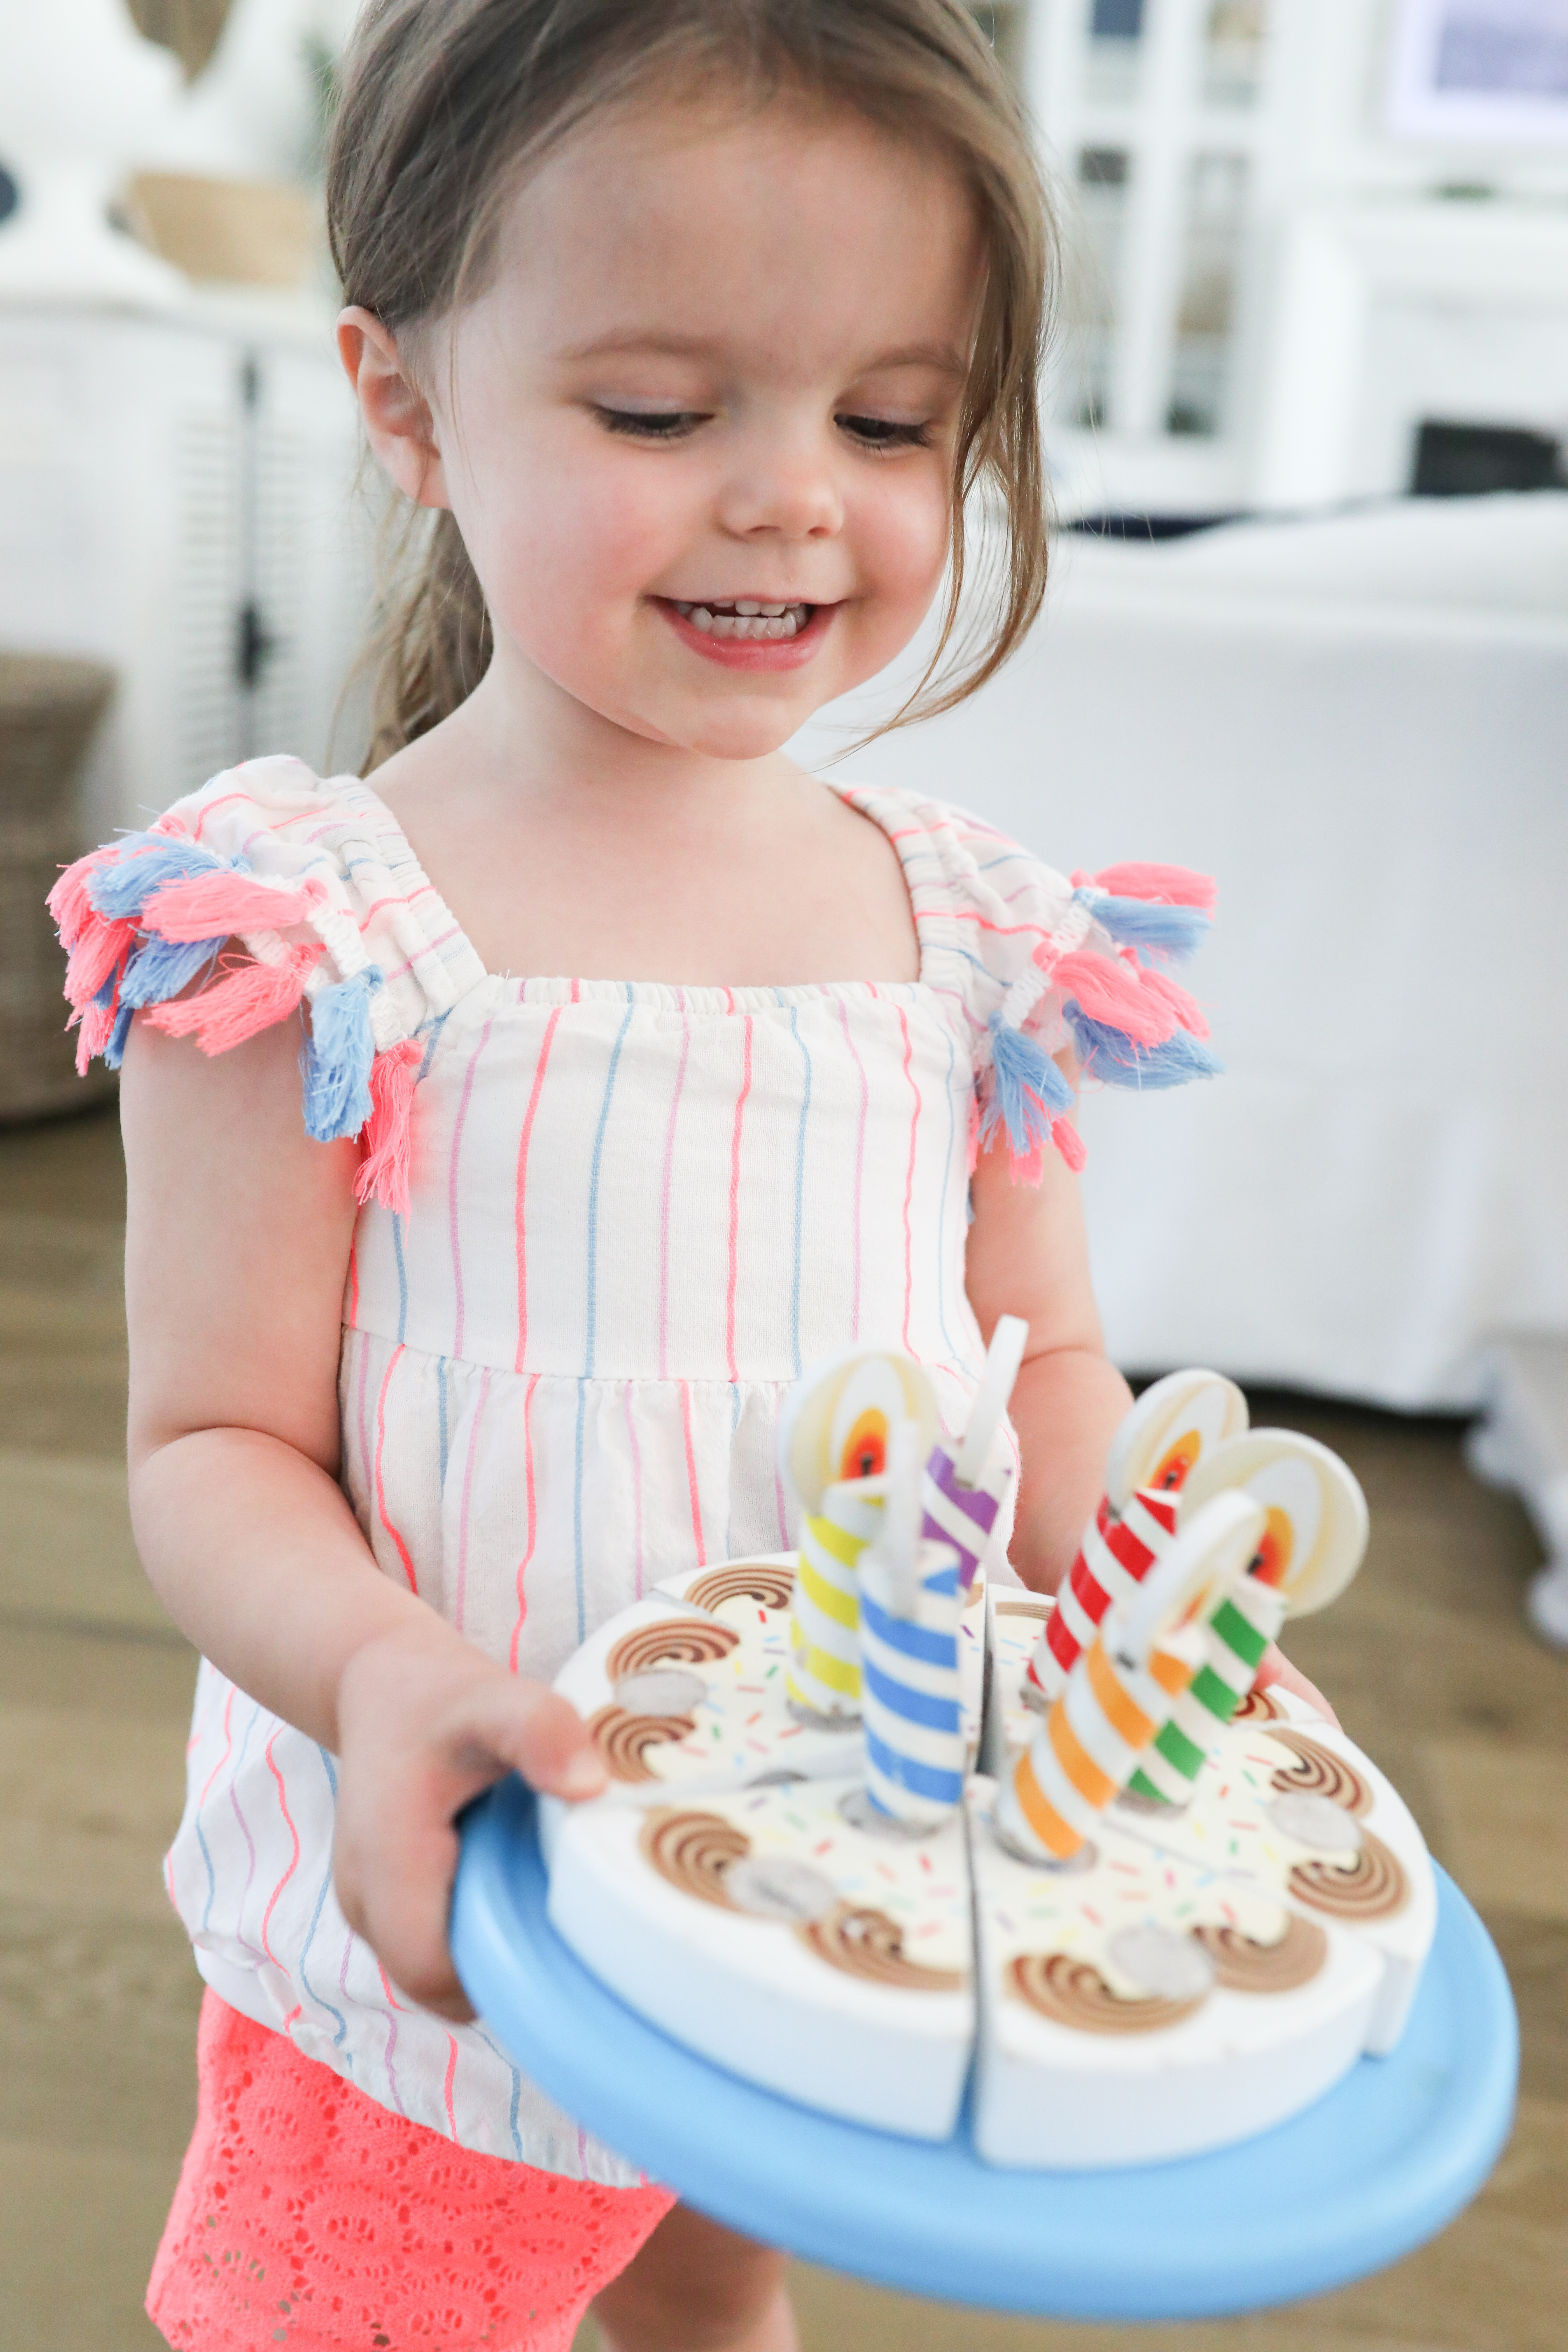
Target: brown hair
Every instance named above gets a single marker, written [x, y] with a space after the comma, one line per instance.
[446, 105]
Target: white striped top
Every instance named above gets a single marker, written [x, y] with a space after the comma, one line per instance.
[637, 1213]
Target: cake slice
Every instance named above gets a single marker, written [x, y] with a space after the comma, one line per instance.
[786, 1934]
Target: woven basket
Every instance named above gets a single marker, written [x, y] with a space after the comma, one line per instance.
[48, 709]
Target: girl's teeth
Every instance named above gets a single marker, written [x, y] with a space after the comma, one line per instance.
[745, 618]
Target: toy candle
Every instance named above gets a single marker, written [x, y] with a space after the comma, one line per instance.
[1170, 1429]
[910, 1607]
[1122, 1689]
[963, 1490]
[824, 1670]
[1312, 1542]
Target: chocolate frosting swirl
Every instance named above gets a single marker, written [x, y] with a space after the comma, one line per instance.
[1259, 1708]
[1244, 1965]
[693, 1850]
[1371, 1886]
[674, 1640]
[868, 1944]
[624, 1740]
[1072, 1992]
[1319, 1772]
[762, 1581]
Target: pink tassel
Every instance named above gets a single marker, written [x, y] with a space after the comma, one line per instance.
[386, 1135]
[1108, 991]
[1069, 1143]
[1170, 886]
[1185, 1008]
[69, 903]
[100, 949]
[211, 906]
[974, 1133]
[96, 1028]
[251, 998]
[1028, 1167]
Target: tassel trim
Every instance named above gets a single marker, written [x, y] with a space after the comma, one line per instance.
[150, 914]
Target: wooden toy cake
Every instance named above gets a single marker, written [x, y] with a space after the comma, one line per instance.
[876, 1826]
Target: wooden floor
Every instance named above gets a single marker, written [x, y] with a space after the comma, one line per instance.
[1427, 1658]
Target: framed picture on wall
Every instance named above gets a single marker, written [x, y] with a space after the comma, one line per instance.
[1490, 70]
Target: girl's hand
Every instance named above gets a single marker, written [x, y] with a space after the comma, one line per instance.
[1276, 1667]
[425, 1723]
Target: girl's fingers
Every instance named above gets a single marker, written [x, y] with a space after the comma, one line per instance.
[1276, 1667]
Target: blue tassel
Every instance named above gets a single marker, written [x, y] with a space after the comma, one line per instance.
[1147, 923]
[1110, 1056]
[114, 1051]
[337, 1059]
[160, 969]
[105, 996]
[121, 890]
[1024, 1080]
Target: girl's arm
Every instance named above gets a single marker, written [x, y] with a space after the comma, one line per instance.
[237, 1252]
[1028, 1255]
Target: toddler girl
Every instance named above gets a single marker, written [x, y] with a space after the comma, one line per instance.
[564, 1095]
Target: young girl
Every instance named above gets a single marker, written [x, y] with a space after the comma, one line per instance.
[641, 1069]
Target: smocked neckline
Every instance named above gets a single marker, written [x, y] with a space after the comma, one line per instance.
[438, 921]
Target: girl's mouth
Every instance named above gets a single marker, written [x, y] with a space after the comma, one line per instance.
[745, 633]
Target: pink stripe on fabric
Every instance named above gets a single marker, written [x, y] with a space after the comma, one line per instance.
[972, 915]
[691, 1474]
[402, 1552]
[446, 2085]
[394, 898]
[733, 1284]
[462, 1595]
[457, 1127]
[909, 1180]
[533, 1516]
[534, 1092]
[636, 1480]
[664, 1194]
[860, 1164]
[294, 1858]
[392, 2006]
[228, 1747]
[452, 932]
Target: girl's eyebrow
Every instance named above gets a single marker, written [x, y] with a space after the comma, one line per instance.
[654, 343]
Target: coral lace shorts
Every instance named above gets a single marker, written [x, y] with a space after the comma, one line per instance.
[309, 2217]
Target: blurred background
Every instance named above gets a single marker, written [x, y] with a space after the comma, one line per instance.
[1307, 631]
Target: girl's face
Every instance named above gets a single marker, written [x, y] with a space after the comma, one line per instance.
[697, 434]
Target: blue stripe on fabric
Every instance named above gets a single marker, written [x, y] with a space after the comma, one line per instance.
[402, 1276]
[590, 1339]
[914, 1706]
[441, 1412]
[491, 2044]
[433, 1040]
[920, 1779]
[922, 1642]
[1008, 857]
[212, 1875]
[799, 1183]
[321, 2002]
[942, 1213]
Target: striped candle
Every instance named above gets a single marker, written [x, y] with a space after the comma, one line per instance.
[823, 1671]
[1244, 1618]
[1114, 1558]
[1125, 1686]
[959, 1515]
[909, 1696]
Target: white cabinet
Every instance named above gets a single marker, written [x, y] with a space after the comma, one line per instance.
[178, 498]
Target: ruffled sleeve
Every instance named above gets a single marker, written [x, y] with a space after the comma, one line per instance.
[1040, 960]
[266, 890]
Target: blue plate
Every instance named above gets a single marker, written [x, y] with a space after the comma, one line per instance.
[1369, 2172]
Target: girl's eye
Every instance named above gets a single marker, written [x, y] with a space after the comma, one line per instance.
[645, 425]
[882, 432]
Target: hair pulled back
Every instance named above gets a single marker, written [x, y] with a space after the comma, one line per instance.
[449, 104]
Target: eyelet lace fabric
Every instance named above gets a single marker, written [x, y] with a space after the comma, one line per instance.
[311, 2217]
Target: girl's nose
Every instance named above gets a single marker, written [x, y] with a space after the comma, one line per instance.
[793, 492]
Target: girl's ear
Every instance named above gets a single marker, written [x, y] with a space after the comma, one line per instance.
[397, 417]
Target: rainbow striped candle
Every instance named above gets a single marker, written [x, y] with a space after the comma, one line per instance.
[1123, 1688]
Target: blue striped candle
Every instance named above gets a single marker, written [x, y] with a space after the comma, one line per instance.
[908, 1683]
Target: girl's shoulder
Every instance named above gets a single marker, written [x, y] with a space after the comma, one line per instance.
[1044, 963]
[270, 889]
